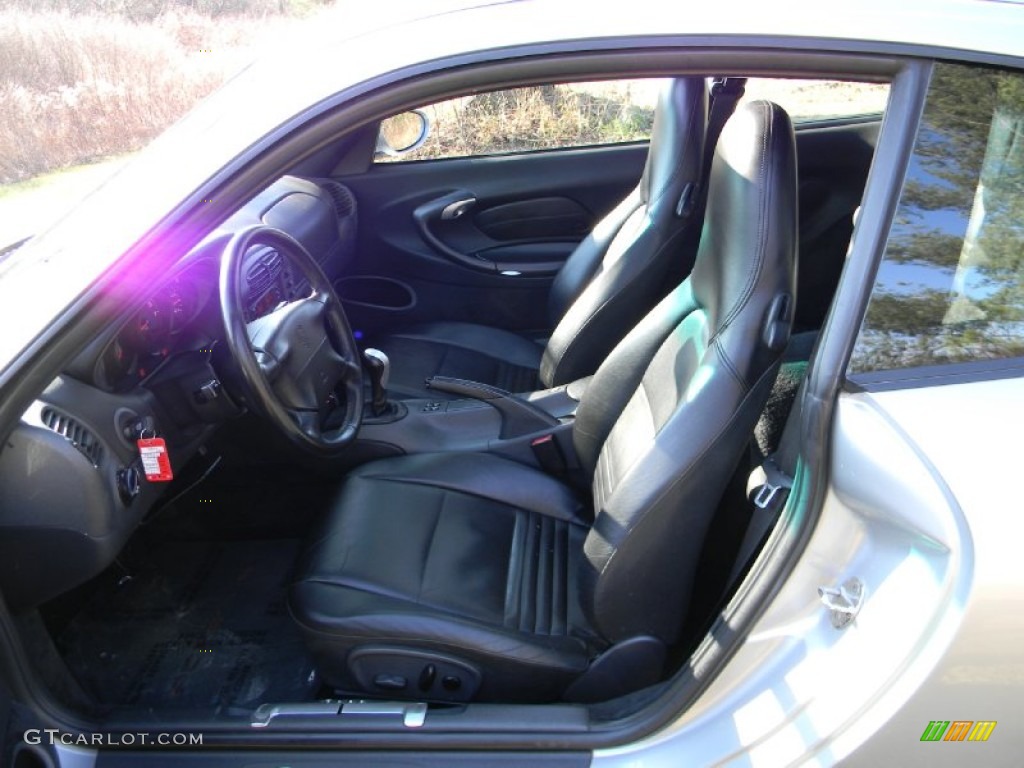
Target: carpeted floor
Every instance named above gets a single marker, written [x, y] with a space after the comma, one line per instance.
[201, 624]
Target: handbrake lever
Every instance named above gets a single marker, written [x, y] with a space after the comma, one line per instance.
[518, 417]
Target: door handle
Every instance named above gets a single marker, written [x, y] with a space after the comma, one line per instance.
[449, 209]
[455, 210]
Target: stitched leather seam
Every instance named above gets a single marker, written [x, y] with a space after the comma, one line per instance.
[342, 582]
[515, 570]
[727, 363]
[566, 568]
[647, 400]
[762, 228]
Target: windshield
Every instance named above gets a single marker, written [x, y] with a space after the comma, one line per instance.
[261, 102]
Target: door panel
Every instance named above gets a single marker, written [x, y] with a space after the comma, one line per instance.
[541, 218]
[527, 214]
[541, 232]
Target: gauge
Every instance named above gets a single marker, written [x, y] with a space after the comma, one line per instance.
[163, 324]
[149, 329]
[182, 299]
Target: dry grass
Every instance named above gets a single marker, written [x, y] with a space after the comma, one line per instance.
[74, 88]
[523, 119]
[816, 99]
[582, 114]
[77, 86]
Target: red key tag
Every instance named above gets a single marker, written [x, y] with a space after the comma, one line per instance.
[155, 461]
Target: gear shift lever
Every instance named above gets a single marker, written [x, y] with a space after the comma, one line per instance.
[379, 366]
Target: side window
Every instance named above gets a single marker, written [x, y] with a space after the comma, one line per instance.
[813, 100]
[951, 285]
[535, 118]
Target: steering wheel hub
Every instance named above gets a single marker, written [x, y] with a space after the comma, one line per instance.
[299, 362]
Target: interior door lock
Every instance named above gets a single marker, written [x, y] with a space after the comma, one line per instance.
[455, 210]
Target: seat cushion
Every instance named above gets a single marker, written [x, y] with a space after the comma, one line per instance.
[463, 350]
[471, 556]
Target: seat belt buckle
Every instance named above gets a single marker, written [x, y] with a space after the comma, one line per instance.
[548, 454]
[765, 494]
[775, 480]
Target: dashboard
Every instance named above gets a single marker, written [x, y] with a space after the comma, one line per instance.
[72, 483]
[182, 313]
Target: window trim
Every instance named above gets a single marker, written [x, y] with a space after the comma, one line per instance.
[514, 153]
[916, 377]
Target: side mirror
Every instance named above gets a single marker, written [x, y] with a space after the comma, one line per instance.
[401, 134]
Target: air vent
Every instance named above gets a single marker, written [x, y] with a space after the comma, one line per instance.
[272, 260]
[344, 200]
[264, 271]
[74, 433]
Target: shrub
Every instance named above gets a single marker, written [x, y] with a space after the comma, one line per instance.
[539, 117]
[74, 88]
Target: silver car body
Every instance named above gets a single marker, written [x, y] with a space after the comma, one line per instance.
[927, 523]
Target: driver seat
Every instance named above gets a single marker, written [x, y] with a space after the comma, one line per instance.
[461, 576]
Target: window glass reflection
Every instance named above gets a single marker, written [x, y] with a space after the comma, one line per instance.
[951, 285]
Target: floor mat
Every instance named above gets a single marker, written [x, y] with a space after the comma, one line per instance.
[198, 625]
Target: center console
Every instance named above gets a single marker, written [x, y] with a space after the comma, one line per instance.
[535, 428]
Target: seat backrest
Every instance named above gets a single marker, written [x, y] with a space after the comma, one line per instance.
[668, 414]
[620, 269]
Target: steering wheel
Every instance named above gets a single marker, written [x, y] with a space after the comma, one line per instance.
[300, 360]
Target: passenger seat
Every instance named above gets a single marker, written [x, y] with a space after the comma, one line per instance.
[632, 258]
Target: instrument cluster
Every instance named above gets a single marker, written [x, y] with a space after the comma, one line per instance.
[164, 324]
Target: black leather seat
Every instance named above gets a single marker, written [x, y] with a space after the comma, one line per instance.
[606, 285]
[457, 576]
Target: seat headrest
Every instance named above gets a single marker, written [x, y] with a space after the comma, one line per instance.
[749, 225]
[677, 139]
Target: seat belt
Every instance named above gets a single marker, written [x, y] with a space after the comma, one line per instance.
[772, 482]
[725, 95]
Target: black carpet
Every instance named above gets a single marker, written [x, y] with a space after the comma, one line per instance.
[198, 625]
